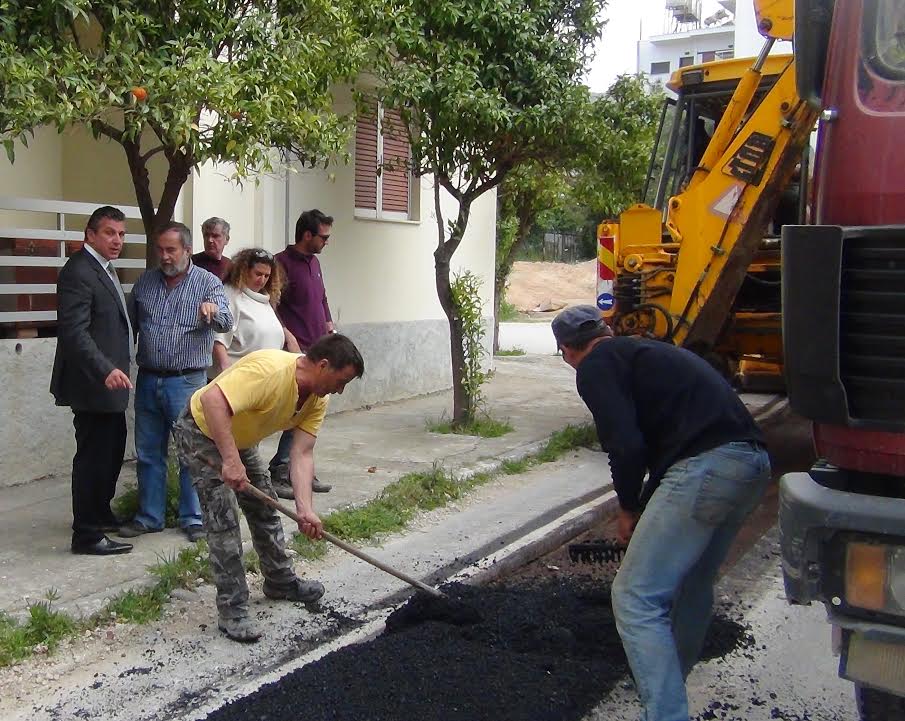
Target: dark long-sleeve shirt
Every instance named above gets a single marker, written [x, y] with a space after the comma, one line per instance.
[303, 307]
[653, 405]
[220, 268]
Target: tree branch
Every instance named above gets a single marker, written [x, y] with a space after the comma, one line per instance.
[106, 129]
[151, 153]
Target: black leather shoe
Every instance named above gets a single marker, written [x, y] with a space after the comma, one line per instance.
[104, 547]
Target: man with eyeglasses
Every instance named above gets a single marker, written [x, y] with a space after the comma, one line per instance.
[305, 313]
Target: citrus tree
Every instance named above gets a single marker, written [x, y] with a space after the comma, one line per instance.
[599, 171]
[481, 87]
[243, 81]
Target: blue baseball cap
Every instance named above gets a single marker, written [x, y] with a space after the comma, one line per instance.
[578, 324]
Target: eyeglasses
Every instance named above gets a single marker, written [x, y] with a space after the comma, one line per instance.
[261, 253]
[324, 238]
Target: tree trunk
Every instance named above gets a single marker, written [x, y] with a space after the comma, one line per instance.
[525, 223]
[463, 405]
[141, 182]
[177, 173]
[499, 288]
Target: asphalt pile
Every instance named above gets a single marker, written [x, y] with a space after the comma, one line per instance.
[543, 649]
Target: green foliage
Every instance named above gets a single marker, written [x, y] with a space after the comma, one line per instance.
[126, 504]
[466, 298]
[599, 172]
[480, 87]
[508, 312]
[508, 352]
[483, 426]
[242, 81]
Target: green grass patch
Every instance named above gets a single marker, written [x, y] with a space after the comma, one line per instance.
[508, 312]
[308, 549]
[251, 562]
[135, 606]
[180, 570]
[391, 511]
[483, 426]
[401, 500]
[126, 505]
[44, 629]
[510, 352]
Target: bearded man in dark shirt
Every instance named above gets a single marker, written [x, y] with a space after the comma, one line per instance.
[663, 412]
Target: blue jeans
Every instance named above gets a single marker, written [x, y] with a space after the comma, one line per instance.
[663, 593]
[158, 402]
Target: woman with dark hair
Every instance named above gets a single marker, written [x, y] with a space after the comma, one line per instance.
[253, 289]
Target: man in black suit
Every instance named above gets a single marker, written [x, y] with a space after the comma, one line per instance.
[91, 376]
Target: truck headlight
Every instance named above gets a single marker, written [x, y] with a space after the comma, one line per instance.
[875, 577]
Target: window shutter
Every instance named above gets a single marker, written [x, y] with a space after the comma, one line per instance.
[366, 161]
[395, 171]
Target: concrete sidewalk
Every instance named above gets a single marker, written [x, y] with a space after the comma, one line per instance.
[535, 393]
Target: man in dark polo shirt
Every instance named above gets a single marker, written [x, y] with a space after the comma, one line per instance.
[663, 412]
[215, 232]
[305, 313]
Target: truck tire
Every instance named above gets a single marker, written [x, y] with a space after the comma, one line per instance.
[876, 705]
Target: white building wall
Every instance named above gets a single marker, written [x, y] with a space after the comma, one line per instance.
[690, 44]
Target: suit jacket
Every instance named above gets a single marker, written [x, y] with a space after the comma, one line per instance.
[92, 338]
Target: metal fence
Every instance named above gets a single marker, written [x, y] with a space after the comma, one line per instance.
[31, 258]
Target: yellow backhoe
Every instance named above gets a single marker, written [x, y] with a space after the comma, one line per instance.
[697, 263]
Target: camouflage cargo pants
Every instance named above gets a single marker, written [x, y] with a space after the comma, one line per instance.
[220, 509]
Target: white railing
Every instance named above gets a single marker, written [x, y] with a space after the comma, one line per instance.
[21, 274]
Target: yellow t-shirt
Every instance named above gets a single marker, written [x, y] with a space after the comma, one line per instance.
[262, 392]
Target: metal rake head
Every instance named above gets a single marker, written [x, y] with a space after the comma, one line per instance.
[607, 550]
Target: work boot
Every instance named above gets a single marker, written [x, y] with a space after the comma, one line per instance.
[242, 629]
[279, 477]
[303, 591]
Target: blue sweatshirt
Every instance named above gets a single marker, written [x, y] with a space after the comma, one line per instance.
[653, 405]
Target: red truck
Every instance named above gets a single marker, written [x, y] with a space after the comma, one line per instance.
[842, 524]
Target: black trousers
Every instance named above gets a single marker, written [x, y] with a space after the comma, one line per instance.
[100, 442]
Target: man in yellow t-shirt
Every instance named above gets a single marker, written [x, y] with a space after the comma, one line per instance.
[217, 438]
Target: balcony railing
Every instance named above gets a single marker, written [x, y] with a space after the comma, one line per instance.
[31, 258]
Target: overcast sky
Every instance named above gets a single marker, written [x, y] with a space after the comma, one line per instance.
[617, 50]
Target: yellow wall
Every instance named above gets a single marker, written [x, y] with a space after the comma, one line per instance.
[37, 173]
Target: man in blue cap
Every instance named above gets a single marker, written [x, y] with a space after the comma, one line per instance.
[665, 413]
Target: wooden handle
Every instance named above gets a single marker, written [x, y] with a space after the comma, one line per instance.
[349, 548]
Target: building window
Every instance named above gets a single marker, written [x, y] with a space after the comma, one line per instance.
[383, 179]
[708, 56]
[686, 60]
[659, 68]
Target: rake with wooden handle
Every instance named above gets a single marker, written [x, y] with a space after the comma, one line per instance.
[349, 548]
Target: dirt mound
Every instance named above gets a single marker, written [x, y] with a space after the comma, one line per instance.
[537, 286]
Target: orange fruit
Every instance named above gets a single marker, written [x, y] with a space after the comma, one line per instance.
[140, 93]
